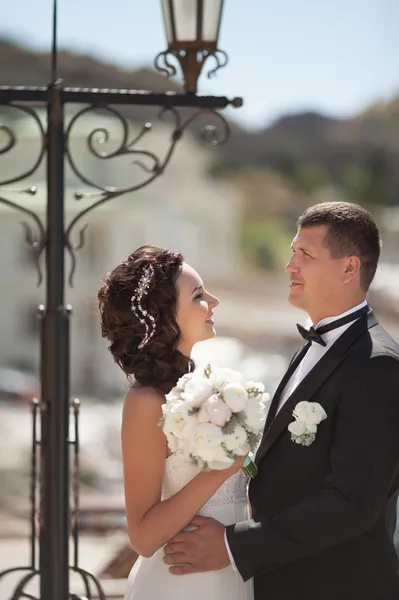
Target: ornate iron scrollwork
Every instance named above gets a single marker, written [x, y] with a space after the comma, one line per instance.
[191, 63]
[36, 241]
[130, 148]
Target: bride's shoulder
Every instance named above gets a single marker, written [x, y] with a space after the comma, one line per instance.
[143, 399]
[142, 411]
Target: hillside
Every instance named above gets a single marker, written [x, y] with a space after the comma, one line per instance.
[361, 153]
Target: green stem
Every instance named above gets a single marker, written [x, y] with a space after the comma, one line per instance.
[250, 469]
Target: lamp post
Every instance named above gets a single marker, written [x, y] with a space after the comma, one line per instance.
[192, 30]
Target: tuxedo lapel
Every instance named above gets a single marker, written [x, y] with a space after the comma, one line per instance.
[290, 371]
[310, 384]
[305, 390]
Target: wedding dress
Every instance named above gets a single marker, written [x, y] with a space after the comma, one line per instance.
[150, 579]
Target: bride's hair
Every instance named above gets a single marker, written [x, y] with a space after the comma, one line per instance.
[158, 363]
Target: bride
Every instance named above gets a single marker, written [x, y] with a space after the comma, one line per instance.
[154, 308]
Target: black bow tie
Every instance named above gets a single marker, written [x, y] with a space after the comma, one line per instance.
[314, 335]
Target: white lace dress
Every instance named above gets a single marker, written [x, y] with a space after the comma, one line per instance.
[150, 579]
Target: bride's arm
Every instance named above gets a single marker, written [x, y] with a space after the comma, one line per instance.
[152, 523]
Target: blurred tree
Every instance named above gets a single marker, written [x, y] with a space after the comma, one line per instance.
[358, 183]
[308, 177]
[266, 243]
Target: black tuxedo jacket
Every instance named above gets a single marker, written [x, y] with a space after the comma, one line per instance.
[324, 515]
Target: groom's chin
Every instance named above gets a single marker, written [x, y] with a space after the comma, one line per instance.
[291, 299]
[294, 300]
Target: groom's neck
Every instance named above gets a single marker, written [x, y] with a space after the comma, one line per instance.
[336, 309]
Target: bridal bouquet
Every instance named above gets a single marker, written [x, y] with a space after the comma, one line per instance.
[213, 417]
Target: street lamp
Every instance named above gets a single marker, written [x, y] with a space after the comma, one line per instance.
[192, 29]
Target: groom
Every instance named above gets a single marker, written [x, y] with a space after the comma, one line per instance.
[323, 514]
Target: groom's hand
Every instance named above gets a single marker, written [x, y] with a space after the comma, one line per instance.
[202, 549]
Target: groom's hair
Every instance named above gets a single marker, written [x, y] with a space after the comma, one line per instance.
[351, 230]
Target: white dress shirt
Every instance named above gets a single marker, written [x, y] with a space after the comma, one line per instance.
[311, 358]
[316, 351]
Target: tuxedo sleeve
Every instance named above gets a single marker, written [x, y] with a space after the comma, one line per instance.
[364, 462]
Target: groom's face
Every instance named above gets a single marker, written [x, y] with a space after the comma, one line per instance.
[315, 277]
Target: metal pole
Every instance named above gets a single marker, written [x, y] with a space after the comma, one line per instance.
[54, 532]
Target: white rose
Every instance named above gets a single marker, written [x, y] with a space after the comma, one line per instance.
[181, 384]
[310, 428]
[220, 377]
[254, 415]
[214, 410]
[173, 396]
[235, 396]
[174, 444]
[237, 441]
[197, 390]
[297, 427]
[205, 437]
[311, 413]
[216, 458]
[178, 423]
[265, 398]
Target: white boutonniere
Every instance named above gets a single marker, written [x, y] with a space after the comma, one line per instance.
[308, 415]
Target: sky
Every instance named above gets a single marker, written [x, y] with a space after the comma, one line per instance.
[331, 56]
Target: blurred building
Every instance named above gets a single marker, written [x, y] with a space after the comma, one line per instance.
[184, 208]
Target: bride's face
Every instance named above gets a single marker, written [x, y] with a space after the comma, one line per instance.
[194, 310]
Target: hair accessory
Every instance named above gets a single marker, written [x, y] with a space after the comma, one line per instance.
[136, 307]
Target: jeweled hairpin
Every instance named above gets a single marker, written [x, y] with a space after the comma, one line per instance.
[135, 304]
